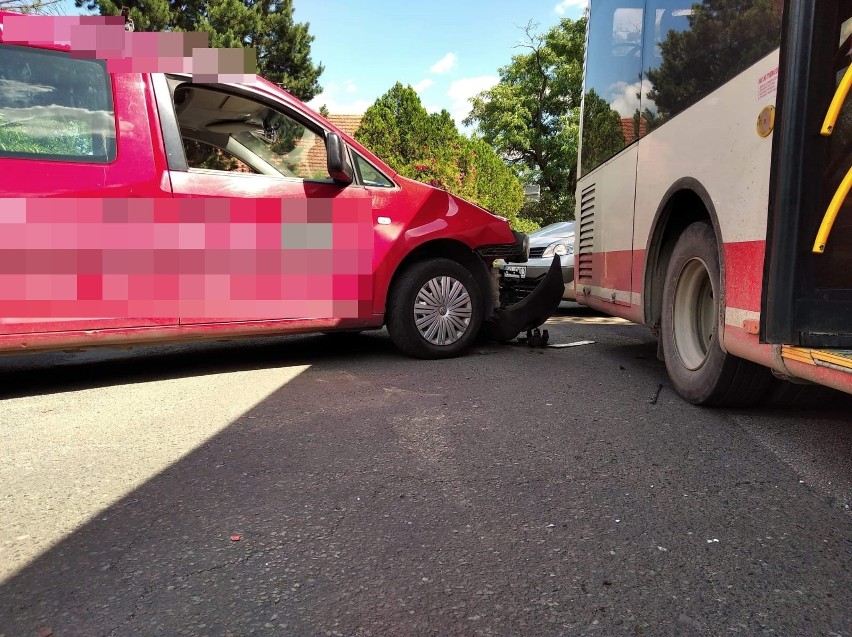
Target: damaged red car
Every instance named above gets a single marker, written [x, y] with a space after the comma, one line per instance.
[156, 207]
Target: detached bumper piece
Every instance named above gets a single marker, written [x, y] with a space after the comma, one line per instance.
[531, 312]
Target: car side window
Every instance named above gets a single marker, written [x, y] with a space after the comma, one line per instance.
[55, 107]
[266, 140]
[369, 175]
[205, 156]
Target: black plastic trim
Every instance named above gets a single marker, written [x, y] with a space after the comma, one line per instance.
[517, 252]
[786, 196]
[811, 313]
[169, 124]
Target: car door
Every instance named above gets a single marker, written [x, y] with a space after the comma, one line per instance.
[275, 237]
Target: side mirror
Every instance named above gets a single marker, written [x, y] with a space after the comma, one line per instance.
[339, 167]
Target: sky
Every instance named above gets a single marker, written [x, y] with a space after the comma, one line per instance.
[447, 50]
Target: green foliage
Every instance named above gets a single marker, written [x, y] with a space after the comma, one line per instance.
[602, 132]
[33, 7]
[531, 117]
[66, 139]
[428, 147]
[283, 46]
[522, 224]
[725, 37]
[549, 209]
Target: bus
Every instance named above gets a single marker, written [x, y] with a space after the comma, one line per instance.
[714, 163]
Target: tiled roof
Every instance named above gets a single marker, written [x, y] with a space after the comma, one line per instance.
[628, 127]
[347, 123]
[315, 162]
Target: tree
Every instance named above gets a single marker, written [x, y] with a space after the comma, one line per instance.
[283, 46]
[725, 37]
[428, 147]
[602, 132]
[531, 117]
[35, 7]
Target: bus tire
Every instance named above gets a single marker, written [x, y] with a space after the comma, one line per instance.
[435, 309]
[784, 394]
[698, 368]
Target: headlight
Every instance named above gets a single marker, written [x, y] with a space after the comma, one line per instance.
[557, 248]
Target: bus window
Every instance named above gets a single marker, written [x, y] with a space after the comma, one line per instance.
[613, 79]
[663, 18]
[697, 47]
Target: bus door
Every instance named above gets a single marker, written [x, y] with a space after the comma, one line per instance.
[807, 290]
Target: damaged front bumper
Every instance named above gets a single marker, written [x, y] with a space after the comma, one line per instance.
[518, 252]
[530, 312]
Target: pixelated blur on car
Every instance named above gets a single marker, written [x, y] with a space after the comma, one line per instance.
[168, 206]
[519, 279]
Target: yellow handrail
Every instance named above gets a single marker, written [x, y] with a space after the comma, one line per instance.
[837, 103]
[845, 185]
[831, 213]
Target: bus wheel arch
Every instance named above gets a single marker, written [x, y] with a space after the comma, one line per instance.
[686, 202]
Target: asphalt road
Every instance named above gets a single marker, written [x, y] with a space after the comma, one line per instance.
[324, 486]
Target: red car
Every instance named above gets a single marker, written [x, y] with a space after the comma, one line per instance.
[151, 207]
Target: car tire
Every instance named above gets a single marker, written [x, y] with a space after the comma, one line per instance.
[435, 309]
[698, 368]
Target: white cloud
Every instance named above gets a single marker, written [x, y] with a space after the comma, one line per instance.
[355, 107]
[444, 64]
[346, 105]
[423, 84]
[624, 97]
[462, 90]
[350, 87]
[563, 7]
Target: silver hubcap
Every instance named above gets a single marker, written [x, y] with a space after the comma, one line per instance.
[694, 314]
[442, 310]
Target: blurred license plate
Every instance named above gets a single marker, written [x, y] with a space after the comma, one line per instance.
[514, 272]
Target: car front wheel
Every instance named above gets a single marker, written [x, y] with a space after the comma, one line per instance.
[435, 309]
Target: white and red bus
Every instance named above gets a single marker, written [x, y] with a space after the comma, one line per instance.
[715, 146]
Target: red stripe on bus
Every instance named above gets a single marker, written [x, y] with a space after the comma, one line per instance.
[623, 270]
[744, 274]
[612, 270]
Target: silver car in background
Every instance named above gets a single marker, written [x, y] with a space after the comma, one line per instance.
[517, 280]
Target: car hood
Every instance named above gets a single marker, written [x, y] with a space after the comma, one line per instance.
[543, 242]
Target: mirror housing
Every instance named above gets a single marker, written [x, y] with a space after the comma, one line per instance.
[339, 167]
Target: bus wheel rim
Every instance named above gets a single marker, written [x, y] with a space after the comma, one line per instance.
[694, 314]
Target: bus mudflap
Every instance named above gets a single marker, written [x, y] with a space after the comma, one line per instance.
[531, 311]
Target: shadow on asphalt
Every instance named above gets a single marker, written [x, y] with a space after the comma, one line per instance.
[393, 506]
[53, 372]
[376, 510]
[37, 374]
